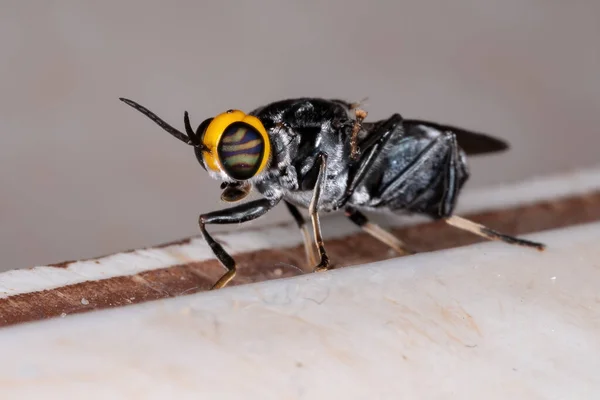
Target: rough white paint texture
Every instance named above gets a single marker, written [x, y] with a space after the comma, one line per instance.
[44, 277]
[487, 321]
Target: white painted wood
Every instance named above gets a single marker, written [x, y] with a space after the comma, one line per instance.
[46, 277]
[487, 321]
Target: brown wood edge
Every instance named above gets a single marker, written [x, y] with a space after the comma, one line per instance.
[269, 264]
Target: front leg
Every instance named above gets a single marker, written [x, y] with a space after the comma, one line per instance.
[234, 215]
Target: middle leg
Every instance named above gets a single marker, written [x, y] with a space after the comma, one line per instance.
[311, 257]
[314, 214]
[370, 147]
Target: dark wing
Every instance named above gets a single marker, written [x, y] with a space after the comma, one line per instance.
[472, 143]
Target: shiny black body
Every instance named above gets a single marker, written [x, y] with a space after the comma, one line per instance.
[324, 158]
[413, 166]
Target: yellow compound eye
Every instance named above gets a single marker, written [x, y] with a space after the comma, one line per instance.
[238, 145]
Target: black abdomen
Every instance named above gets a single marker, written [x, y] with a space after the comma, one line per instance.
[417, 174]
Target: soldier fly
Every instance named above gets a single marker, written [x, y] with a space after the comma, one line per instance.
[320, 154]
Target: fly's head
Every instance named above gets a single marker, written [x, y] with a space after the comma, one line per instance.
[233, 147]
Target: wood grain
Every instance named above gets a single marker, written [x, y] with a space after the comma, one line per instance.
[269, 264]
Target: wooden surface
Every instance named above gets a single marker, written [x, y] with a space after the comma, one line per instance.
[486, 321]
[271, 263]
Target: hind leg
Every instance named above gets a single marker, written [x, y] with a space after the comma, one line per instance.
[470, 226]
[490, 234]
[444, 182]
[376, 231]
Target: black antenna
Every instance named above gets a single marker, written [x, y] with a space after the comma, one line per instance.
[189, 139]
[189, 130]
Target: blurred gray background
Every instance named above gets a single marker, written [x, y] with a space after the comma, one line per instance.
[83, 175]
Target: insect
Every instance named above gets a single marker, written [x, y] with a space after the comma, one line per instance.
[320, 154]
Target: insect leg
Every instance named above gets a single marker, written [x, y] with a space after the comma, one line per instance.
[462, 223]
[355, 150]
[314, 214]
[242, 213]
[490, 234]
[311, 257]
[374, 143]
[376, 231]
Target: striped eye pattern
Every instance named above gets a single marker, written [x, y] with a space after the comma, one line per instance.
[241, 150]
